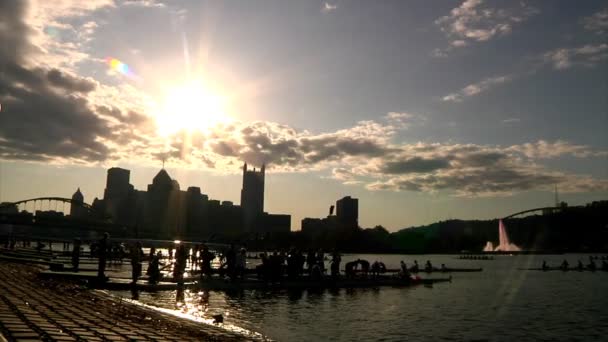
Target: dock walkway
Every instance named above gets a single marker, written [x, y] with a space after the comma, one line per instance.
[31, 310]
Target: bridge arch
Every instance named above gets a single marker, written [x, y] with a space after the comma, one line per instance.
[84, 205]
[531, 210]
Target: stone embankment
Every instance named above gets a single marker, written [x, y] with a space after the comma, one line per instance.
[35, 310]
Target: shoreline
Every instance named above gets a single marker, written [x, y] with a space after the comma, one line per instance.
[31, 308]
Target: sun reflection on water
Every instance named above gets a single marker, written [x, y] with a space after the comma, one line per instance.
[194, 306]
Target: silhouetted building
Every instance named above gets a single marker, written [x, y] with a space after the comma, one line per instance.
[48, 214]
[164, 208]
[347, 211]
[197, 212]
[9, 208]
[252, 197]
[347, 216]
[76, 209]
[165, 211]
[274, 223]
[118, 197]
[316, 226]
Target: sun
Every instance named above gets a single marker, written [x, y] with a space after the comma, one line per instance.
[192, 107]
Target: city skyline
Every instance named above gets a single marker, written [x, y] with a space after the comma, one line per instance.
[472, 109]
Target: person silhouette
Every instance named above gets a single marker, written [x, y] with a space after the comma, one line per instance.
[102, 255]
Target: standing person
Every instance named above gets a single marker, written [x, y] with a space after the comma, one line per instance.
[300, 260]
[349, 269]
[136, 256]
[415, 268]
[335, 265]
[310, 260]
[154, 269]
[241, 263]
[321, 261]
[206, 259]
[102, 255]
[231, 261]
[181, 259]
[152, 252]
[405, 273]
[76, 254]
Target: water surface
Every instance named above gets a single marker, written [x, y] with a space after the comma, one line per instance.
[501, 303]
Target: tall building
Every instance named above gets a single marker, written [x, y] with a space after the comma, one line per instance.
[164, 211]
[76, 209]
[117, 197]
[165, 208]
[347, 211]
[252, 196]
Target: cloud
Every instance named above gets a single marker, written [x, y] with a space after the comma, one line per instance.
[48, 112]
[144, 3]
[53, 115]
[476, 88]
[511, 120]
[545, 150]
[598, 22]
[478, 170]
[560, 59]
[414, 165]
[472, 22]
[365, 154]
[587, 55]
[327, 7]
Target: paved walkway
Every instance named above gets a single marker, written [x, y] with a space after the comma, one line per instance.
[32, 310]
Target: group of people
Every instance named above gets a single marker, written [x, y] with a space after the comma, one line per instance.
[294, 264]
[591, 266]
[475, 257]
[233, 263]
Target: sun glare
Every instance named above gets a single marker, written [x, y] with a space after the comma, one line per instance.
[191, 107]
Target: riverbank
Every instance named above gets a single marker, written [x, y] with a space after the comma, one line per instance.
[33, 309]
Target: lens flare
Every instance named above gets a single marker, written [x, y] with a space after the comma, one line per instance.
[120, 67]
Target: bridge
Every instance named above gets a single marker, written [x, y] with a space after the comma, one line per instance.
[533, 210]
[26, 222]
[41, 200]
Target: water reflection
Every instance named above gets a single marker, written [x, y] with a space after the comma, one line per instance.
[501, 297]
[134, 293]
[295, 295]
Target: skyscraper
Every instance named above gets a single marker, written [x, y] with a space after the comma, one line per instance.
[347, 211]
[116, 195]
[252, 196]
[165, 208]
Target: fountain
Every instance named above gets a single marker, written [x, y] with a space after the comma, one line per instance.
[504, 245]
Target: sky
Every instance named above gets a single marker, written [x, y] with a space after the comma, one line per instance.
[424, 110]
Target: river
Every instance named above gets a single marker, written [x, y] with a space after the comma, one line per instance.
[501, 303]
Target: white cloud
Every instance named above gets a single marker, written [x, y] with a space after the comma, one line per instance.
[561, 59]
[511, 120]
[476, 88]
[472, 22]
[547, 150]
[144, 3]
[327, 7]
[587, 55]
[598, 22]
